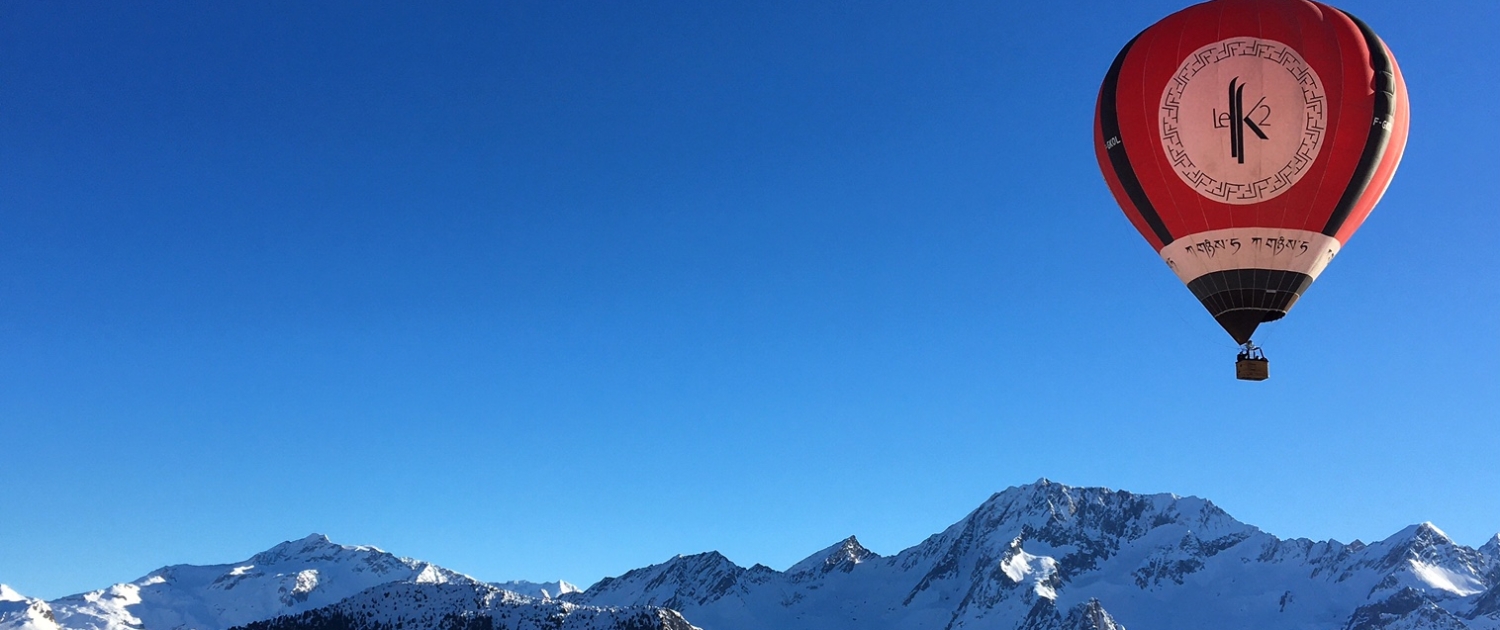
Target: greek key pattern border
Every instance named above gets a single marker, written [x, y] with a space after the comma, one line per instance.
[1315, 119]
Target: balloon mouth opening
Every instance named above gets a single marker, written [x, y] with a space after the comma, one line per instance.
[1241, 323]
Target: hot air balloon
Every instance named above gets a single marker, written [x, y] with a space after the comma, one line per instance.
[1246, 140]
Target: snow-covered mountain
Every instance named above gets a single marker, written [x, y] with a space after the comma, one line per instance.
[18, 612]
[1043, 556]
[1047, 555]
[289, 578]
[311, 579]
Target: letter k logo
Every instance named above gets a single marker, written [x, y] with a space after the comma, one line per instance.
[1240, 119]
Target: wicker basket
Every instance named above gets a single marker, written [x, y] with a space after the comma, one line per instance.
[1252, 369]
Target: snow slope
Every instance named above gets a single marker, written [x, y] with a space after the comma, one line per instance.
[18, 612]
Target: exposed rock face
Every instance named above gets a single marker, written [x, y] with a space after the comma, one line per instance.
[1408, 609]
[842, 556]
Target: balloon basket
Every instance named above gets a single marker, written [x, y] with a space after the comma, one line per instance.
[1251, 364]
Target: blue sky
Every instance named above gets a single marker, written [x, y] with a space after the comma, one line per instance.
[553, 291]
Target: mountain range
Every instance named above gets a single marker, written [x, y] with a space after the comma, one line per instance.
[1043, 556]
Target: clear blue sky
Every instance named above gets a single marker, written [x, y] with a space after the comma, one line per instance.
[555, 290]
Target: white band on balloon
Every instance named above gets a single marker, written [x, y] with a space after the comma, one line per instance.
[1250, 248]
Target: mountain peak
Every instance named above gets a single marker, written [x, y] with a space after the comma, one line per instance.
[19, 612]
[1492, 548]
[311, 547]
[841, 556]
[1048, 506]
[1418, 538]
[1426, 529]
[705, 559]
[8, 594]
[1091, 615]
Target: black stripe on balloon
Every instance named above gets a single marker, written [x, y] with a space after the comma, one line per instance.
[1380, 128]
[1109, 125]
[1270, 290]
[1236, 141]
[1242, 299]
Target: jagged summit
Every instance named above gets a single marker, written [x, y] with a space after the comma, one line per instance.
[1091, 616]
[1424, 533]
[1422, 557]
[1491, 553]
[311, 547]
[841, 556]
[1089, 521]
[1050, 499]
[705, 561]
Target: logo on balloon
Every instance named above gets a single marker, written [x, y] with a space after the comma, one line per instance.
[1236, 120]
[1225, 122]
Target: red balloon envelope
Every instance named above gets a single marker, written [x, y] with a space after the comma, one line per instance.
[1247, 140]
